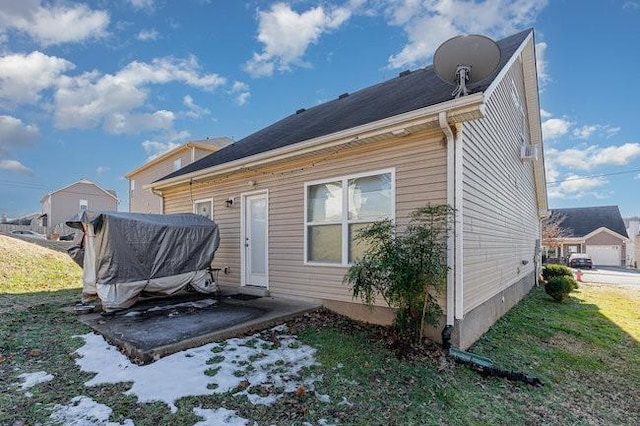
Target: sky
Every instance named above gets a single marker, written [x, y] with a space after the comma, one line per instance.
[94, 89]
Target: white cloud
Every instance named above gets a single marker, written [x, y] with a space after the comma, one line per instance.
[576, 186]
[631, 5]
[113, 100]
[14, 133]
[24, 77]
[53, 23]
[590, 157]
[15, 166]
[148, 5]
[155, 148]
[241, 92]
[125, 123]
[147, 35]
[637, 176]
[286, 35]
[429, 23]
[195, 110]
[585, 132]
[100, 170]
[554, 128]
[541, 64]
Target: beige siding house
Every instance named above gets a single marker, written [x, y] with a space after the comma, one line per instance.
[289, 198]
[60, 205]
[598, 231]
[143, 200]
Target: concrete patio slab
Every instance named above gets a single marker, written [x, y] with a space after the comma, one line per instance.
[158, 327]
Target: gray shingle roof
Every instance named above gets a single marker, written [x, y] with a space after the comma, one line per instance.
[580, 221]
[407, 92]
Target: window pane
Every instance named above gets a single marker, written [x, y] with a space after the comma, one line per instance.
[356, 248]
[325, 243]
[370, 197]
[258, 237]
[325, 202]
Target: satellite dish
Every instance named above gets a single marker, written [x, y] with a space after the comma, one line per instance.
[466, 60]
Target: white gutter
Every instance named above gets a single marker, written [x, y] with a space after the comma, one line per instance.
[444, 125]
[458, 110]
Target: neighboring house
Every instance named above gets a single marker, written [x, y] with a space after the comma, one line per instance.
[633, 245]
[289, 198]
[60, 205]
[143, 200]
[597, 231]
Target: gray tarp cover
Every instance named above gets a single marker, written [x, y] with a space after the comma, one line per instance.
[133, 247]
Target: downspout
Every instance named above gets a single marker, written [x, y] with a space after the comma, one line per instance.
[448, 133]
[459, 232]
[455, 299]
[454, 262]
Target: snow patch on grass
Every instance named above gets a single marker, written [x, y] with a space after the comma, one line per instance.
[29, 380]
[262, 370]
[220, 416]
[84, 411]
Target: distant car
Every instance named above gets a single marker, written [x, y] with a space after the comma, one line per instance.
[580, 260]
[68, 237]
[29, 234]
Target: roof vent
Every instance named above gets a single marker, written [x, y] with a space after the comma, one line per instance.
[344, 95]
[300, 111]
[403, 73]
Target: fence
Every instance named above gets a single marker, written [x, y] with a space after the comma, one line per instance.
[5, 227]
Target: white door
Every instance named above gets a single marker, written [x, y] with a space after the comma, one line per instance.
[604, 255]
[255, 240]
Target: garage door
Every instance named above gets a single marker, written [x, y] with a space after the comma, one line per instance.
[604, 255]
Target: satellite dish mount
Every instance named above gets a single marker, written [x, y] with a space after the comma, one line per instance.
[462, 75]
[455, 59]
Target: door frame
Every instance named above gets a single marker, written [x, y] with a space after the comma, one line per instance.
[243, 235]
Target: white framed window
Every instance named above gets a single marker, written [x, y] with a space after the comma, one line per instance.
[204, 208]
[84, 205]
[132, 185]
[177, 164]
[335, 209]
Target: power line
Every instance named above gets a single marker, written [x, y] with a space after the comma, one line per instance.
[555, 182]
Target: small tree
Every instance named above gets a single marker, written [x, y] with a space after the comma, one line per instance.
[406, 266]
[552, 231]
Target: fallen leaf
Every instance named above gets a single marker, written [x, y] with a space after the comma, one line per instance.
[300, 391]
[34, 353]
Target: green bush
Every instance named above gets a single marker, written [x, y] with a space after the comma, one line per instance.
[560, 286]
[406, 265]
[551, 271]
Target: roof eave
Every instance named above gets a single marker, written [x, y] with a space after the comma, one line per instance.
[176, 150]
[459, 110]
[607, 230]
[526, 52]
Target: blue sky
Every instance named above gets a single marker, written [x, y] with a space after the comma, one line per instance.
[92, 90]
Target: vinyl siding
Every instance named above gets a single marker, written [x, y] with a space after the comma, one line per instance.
[420, 170]
[143, 200]
[500, 212]
[66, 202]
